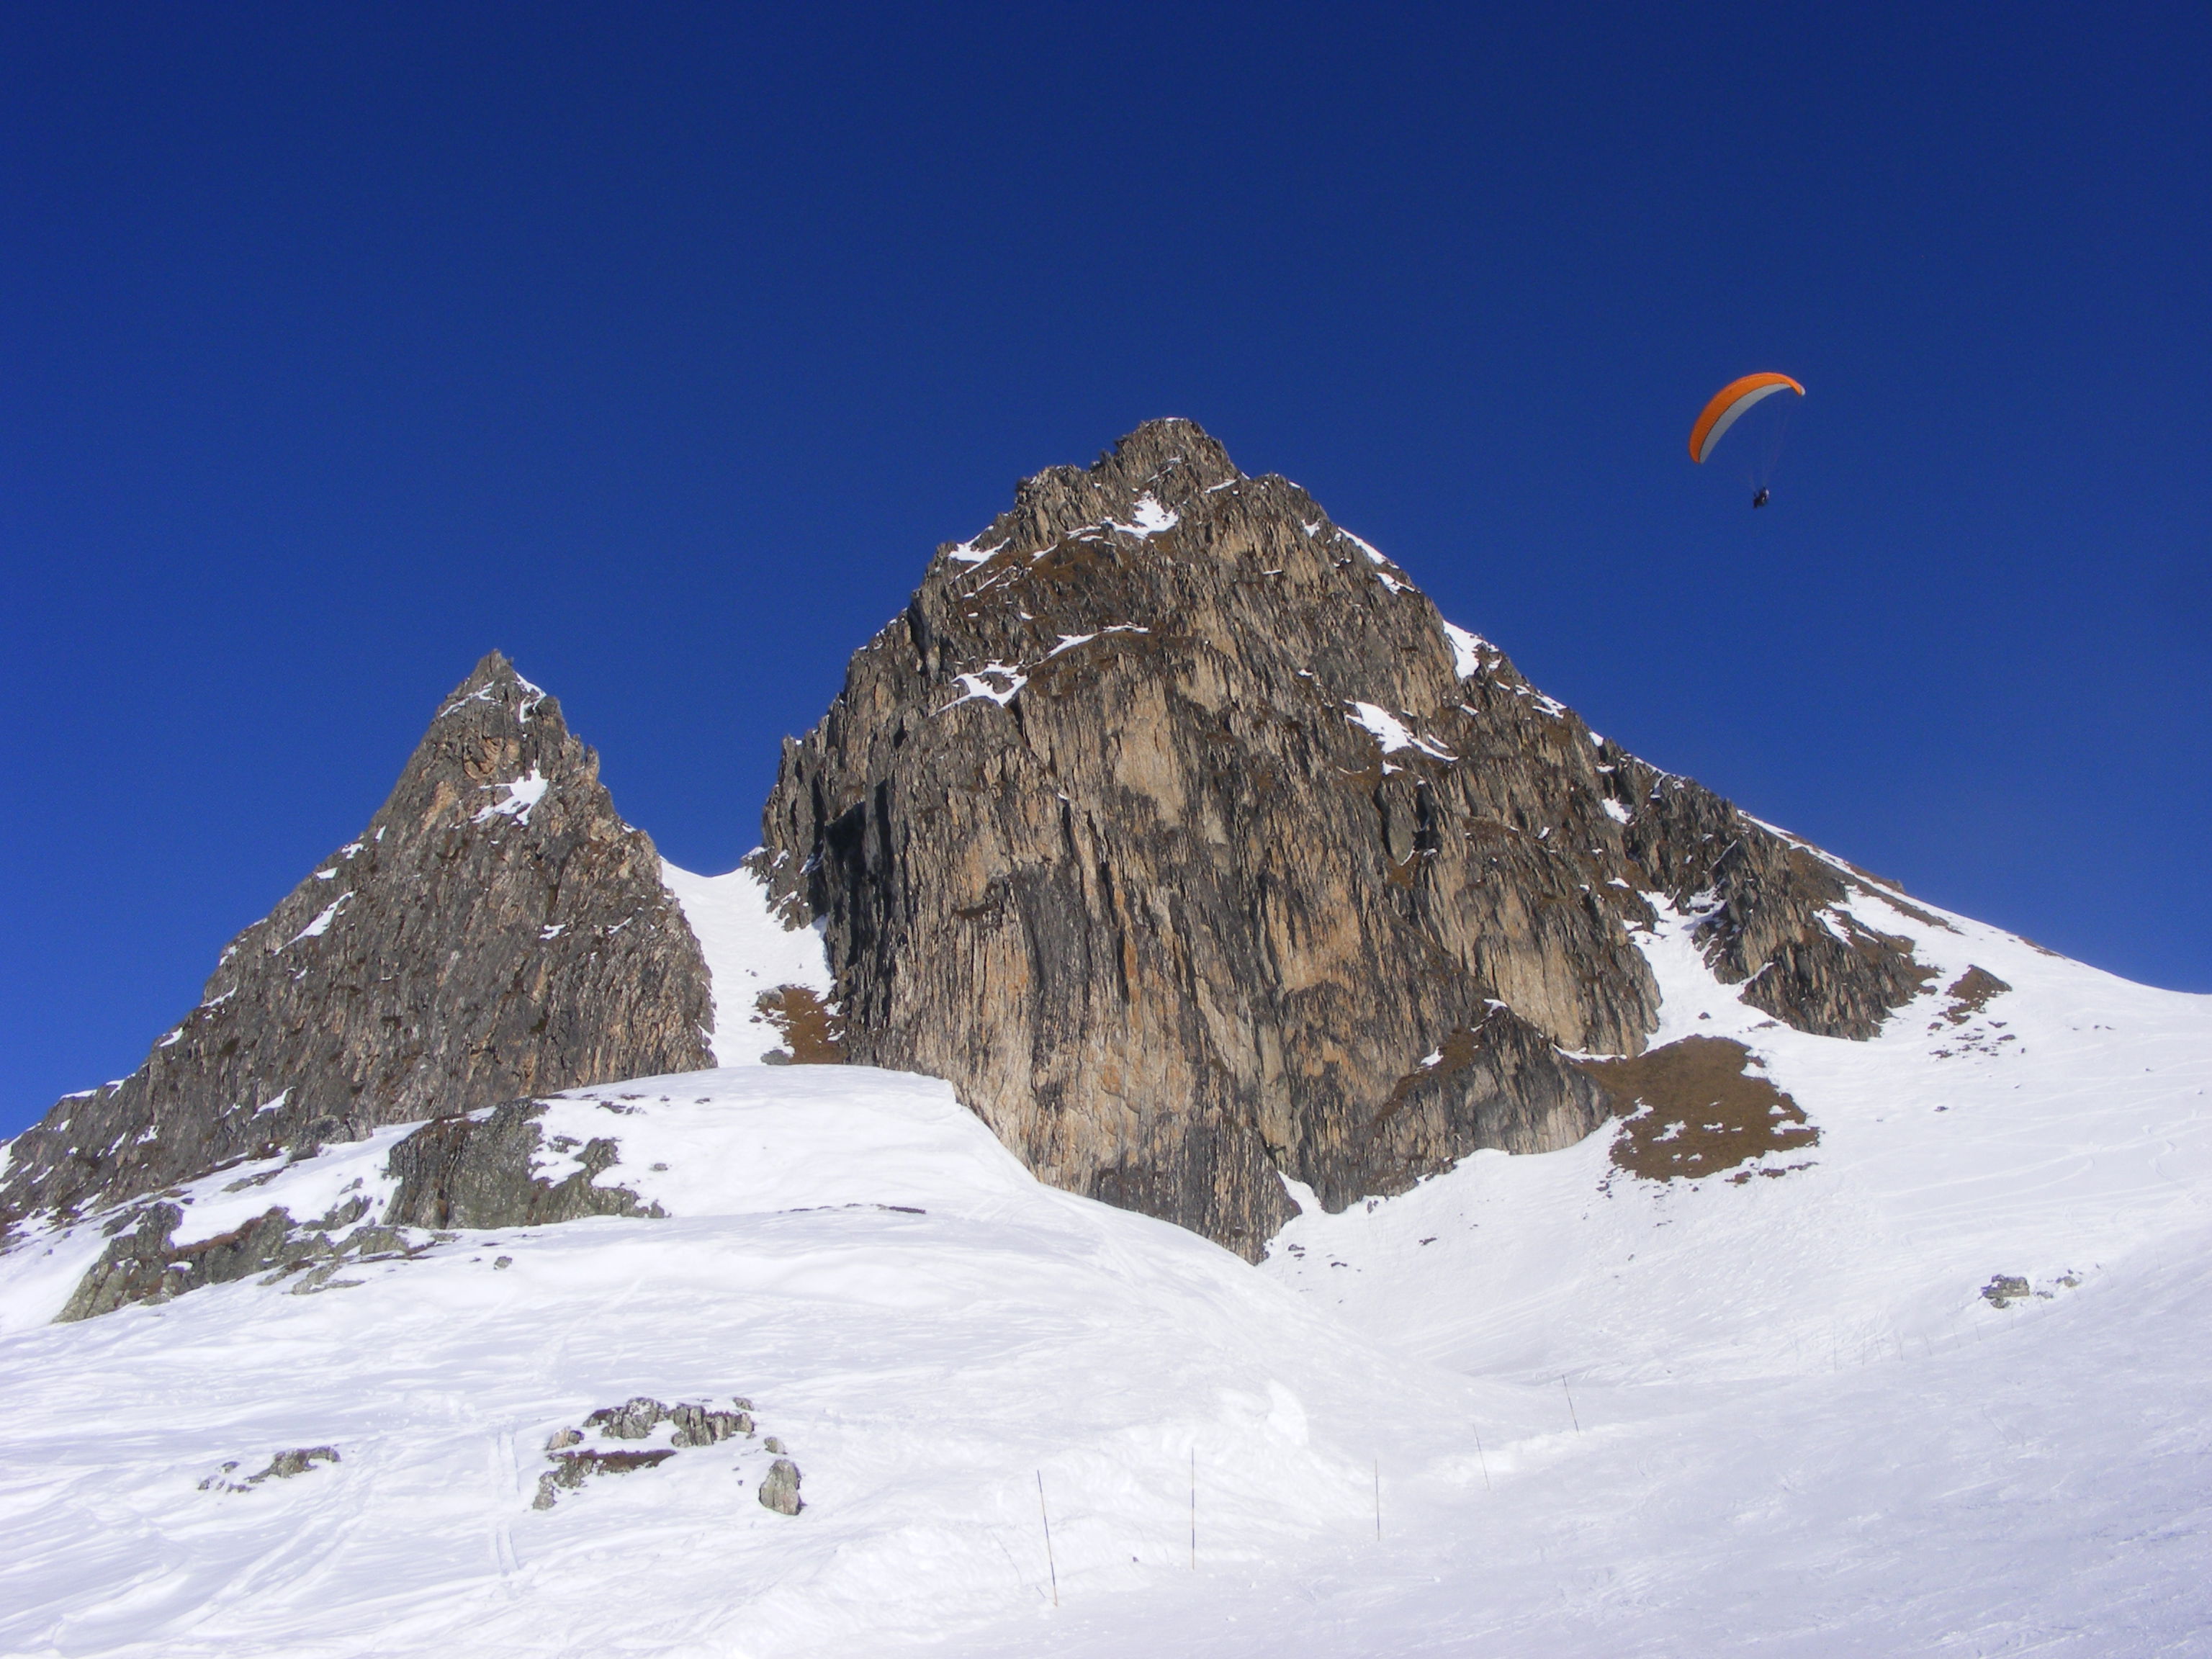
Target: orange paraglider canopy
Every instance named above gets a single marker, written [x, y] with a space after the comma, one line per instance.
[1730, 401]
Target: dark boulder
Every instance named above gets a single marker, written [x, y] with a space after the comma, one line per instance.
[779, 1491]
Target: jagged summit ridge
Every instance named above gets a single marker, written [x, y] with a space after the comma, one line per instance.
[496, 930]
[1174, 827]
[1168, 461]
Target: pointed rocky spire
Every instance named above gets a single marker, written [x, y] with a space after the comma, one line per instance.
[496, 930]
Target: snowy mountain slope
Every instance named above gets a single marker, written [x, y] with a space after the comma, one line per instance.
[2040, 1489]
[923, 1325]
[1802, 1427]
[2063, 1127]
[748, 951]
[1789, 1424]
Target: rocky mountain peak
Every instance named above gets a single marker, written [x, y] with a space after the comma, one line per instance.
[1174, 827]
[1168, 462]
[496, 930]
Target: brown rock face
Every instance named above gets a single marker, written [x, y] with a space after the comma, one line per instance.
[1175, 828]
[497, 931]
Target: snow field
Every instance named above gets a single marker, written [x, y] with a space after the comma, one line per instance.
[1796, 1428]
[1803, 1429]
[922, 1368]
[2040, 1490]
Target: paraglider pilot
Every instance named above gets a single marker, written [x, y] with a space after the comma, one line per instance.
[1729, 403]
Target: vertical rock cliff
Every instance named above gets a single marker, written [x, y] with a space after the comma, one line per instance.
[1173, 825]
[496, 931]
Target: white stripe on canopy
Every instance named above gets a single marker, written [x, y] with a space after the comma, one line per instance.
[1728, 418]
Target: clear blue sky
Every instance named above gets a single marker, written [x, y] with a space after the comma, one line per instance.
[659, 345]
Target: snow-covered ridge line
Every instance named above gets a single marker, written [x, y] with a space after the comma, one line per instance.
[1387, 570]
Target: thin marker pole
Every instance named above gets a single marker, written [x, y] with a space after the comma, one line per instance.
[1571, 1415]
[1484, 1458]
[1193, 1509]
[1047, 1519]
[1378, 1500]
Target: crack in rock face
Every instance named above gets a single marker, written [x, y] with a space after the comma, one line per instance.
[1174, 827]
[497, 931]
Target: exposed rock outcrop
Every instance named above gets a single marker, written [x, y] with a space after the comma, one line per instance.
[693, 1425]
[1173, 825]
[481, 1170]
[779, 1490]
[142, 1262]
[1969, 994]
[640, 1419]
[572, 1468]
[283, 1467]
[1697, 1107]
[497, 931]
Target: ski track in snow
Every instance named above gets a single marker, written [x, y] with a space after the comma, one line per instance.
[1796, 1427]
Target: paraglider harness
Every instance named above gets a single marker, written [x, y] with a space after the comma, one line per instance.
[1759, 500]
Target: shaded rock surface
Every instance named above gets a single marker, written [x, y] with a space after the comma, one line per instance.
[141, 1262]
[778, 1489]
[496, 931]
[482, 1170]
[571, 1469]
[1173, 825]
